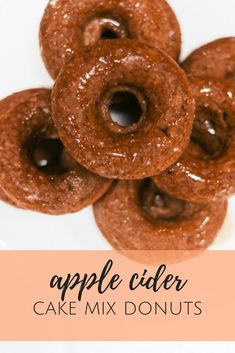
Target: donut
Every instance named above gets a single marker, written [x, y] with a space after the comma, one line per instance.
[154, 91]
[35, 170]
[136, 215]
[206, 170]
[69, 25]
[5, 105]
[213, 60]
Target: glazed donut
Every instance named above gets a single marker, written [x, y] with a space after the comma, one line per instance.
[156, 135]
[206, 170]
[213, 60]
[5, 105]
[69, 25]
[136, 215]
[35, 170]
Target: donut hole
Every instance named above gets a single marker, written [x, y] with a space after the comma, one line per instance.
[125, 109]
[104, 28]
[107, 33]
[210, 133]
[157, 204]
[48, 155]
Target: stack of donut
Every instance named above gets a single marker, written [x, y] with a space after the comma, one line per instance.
[149, 143]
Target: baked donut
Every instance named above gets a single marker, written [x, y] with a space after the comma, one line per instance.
[206, 170]
[35, 170]
[157, 132]
[213, 60]
[5, 105]
[136, 215]
[69, 25]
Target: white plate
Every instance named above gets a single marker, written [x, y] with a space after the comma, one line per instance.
[20, 68]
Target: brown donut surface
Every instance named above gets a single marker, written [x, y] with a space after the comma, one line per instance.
[206, 170]
[213, 60]
[175, 41]
[69, 25]
[136, 215]
[35, 169]
[5, 105]
[87, 87]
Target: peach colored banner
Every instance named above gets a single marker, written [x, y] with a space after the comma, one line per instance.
[72, 295]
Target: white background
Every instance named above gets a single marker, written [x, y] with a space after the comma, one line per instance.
[20, 68]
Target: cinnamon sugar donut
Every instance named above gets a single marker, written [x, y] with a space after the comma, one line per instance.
[90, 85]
[69, 25]
[213, 60]
[35, 169]
[206, 170]
[136, 215]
